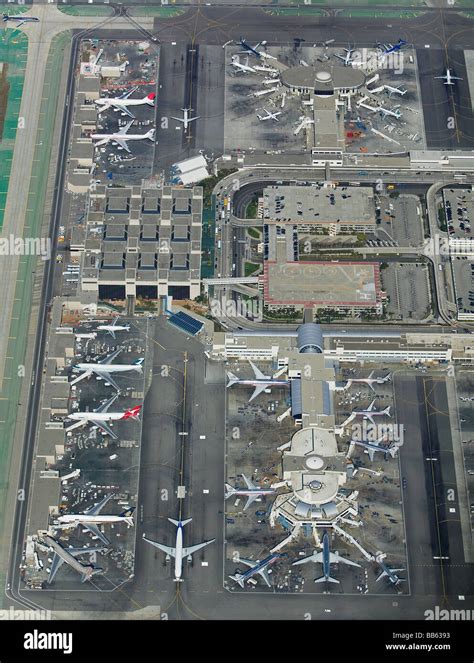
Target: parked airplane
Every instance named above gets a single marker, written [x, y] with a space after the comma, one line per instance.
[252, 49]
[252, 492]
[104, 368]
[19, 20]
[326, 558]
[100, 416]
[394, 112]
[369, 414]
[261, 381]
[186, 119]
[114, 327]
[268, 116]
[122, 102]
[243, 67]
[347, 58]
[449, 78]
[372, 447]
[90, 519]
[391, 48]
[395, 90]
[256, 567]
[178, 552]
[121, 137]
[69, 555]
[368, 381]
[387, 572]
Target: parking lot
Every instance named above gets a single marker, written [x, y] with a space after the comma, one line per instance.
[400, 221]
[459, 211]
[408, 289]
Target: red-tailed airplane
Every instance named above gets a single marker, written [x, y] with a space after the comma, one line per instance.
[100, 416]
[122, 102]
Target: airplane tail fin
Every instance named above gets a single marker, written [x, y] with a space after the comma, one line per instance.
[328, 579]
[134, 413]
[238, 578]
[150, 99]
[232, 379]
[150, 134]
[387, 410]
[139, 362]
[177, 522]
[128, 515]
[229, 490]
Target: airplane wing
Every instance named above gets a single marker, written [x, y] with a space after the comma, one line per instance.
[371, 453]
[257, 372]
[55, 566]
[108, 378]
[264, 574]
[125, 129]
[76, 552]
[179, 119]
[257, 391]
[104, 141]
[122, 143]
[281, 371]
[110, 358]
[341, 57]
[166, 549]
[97, 508]
[104, 427]
[248, 562]
[370, 418]
[126, 95]
[371, 406]
[192, 549]
[123, 109]
[248, 483]
[315, 557]
[107, 404]
[95, 531]
[84, 375]
[250, 500]
[335, 559]
[75, 425]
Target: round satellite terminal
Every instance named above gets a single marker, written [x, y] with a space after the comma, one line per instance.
[314, 463]
[315, 485]
[323, 76]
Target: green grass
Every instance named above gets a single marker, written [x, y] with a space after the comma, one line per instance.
[250, 268]
[17, 337]
[83, 10]
[12, 9]
[163, 12]
[254, 232]
[13, 52]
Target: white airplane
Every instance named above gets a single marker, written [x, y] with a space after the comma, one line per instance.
[186, 119]
[243, 67]
[369, 414]
[368, 381]
[394, 112]
[178, 552]
[387, 572]
[373, 447]
[395, 90]
[91, 518]
[261, 381]
[69, 555]
[326, 558]
[122, 102]
[347, 58]
[19, 20]
[114, 327]
[268, 116]
[266, 70]
[121, 137]
[252, 492]
[449, 78]
[104, 368]
[100, 417]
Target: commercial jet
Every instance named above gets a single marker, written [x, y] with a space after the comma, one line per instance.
[122, 137]
[178, 552]
[252, 49]
[100, 417]
[252, 492]
[122, 102]
[68, 555]
[261, 381]
[104, 368]
[19, 20]
[243, 67]
[347, 58]
[91, 518]
[268, 115]
[449, 78]
[186, 119]
[369, 381]
[391, 48]
[387, 572]
[256, 567]
[369, 414]
[373, 447]
[326, 558]
[114, 327]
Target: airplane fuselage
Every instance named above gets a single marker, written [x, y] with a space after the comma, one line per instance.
[96, 416]
[109, 368]
[79, 519]
[271, 559]
[116, 136]
[326, 557]
[178, 560]
[112, 328]
[269, 383]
